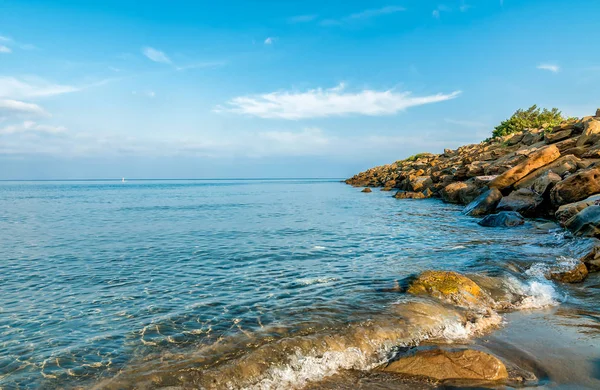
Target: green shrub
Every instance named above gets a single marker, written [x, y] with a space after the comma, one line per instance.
[532, 118]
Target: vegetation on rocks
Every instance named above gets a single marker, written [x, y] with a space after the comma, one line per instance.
[532, 118]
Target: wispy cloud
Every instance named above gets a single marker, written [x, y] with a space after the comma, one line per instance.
[31, 87]
[318, 103]
[269, 41]
[156, 55]
[10, 107]
[550, 67]
[362, 15]
[302, 18]
[5, 49]
[33, 127]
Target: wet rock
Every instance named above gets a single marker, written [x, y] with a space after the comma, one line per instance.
[536, 160]
[449, 286]
[409, 195]
[502, 219]
[367, 190]
[460, 192]
[484, 204]
[592, 259]
[577, 274]
[442, 364]
[565, 212]
[576, 187]
[543, 184]
[591, 128]
[524, 201]
[585, 223]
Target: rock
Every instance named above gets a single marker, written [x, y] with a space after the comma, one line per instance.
[598, 113]
[577, 274]
[502, 219]
[420, 183]
[543, 184]
[576, 187]
[386, 189]
[591, 127]
[460, 192]
[530, 138]
[409, 195]
[523, 201]
[449, 286]
[484, 204]
[367, 190]
[568, 163]
[585, 223]
[592, 259]
[442, 364]
[552, 137]
[577, 151]
[536, 160]
[565, 212]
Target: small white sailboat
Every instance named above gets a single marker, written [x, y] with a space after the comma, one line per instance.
[123, 180]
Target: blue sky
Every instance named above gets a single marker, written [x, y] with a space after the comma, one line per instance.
[195, 89]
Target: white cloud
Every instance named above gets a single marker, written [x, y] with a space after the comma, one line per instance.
[31, 87]
[318, 103]
[5, 39]
[5, 49]
[369, 13]
[156, 55]
[550, 67]
[9, 107]
[33, 127]
[269, 41]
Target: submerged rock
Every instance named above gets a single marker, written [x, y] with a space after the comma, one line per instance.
[444, 364]
[449, 286]
[592, 259]
[367, 190]
[585, 223]
[577, 274]
[484, 204]
[409, 195]
[503, 219]
[536, 160]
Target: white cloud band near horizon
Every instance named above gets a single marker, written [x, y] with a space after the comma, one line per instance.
[156, 55]
[10, 107]
[320, 103]
[31, 87]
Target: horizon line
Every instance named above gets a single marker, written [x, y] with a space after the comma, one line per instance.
[175, 179]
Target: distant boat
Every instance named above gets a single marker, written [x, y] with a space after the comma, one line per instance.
[123, 180]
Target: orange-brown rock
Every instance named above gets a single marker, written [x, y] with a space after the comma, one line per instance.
[591, 127]
[576, 187]
[568, 163]
[576, 274]
[367, 190]
[449, 286]
[442, 364]
[536, 160]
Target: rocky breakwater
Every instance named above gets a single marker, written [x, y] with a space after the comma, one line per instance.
[551, 173]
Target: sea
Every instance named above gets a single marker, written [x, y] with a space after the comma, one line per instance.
[268, 284]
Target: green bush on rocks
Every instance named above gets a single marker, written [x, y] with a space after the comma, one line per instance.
[532, 118]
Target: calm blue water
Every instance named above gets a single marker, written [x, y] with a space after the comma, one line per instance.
[96, 276]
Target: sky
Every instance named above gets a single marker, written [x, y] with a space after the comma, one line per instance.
[276, 89]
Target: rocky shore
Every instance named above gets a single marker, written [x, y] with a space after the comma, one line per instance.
[551, 173]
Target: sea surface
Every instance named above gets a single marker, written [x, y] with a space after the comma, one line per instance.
[265, 284]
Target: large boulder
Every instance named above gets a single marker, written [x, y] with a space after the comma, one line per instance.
[575, 274]
[585, 223]
[444, 364]
[536, 160]
[565, 212]
[556, 136]
[502, 219]
[524, 201]
[565, 164]
[419, 183]
[460, 192]
[576, 187]
[449, 286]
[484, 204]
[409, 195]
[543, 184]
[590, 129]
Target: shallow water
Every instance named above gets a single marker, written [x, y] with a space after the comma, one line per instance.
[263, 283]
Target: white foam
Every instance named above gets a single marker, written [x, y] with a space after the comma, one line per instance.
[319, 247]
[535, 294]
[309, 281]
